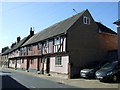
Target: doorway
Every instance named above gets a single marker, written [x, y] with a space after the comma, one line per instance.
[28, 63]
[39, 63]
[48, 65]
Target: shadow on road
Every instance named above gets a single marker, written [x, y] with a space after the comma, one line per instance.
[9, 83]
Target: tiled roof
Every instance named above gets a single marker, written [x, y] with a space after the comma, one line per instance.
[105, 29]
[6, 52]
[20, 43]
[54, 30]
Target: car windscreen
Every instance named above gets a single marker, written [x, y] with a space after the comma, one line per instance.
[109, 65]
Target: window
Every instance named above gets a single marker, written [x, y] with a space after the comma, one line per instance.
[86, 20]
[47, 43]
[99, 31]
[30, 48]
[22, 60]
[13, 62]
[57, 41]
[39, 46]
[32, 61]
[19, 61]
[46, 47]
[25, 49]
[58, 61]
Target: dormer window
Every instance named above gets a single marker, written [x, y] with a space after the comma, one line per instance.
[86, 20]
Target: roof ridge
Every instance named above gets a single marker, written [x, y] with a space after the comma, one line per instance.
[55, 29]
[62, 21]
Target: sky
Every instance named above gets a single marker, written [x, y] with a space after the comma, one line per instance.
[18, 17]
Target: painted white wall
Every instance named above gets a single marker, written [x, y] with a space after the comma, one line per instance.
[51, 46]
[11, 64]
[61, 69]
[18, 65]
[64, 45]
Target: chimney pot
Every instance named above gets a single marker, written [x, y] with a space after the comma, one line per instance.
[18, 39]
[31, 31]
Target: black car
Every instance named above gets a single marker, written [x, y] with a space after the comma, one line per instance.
[109, 71]
[89, 73]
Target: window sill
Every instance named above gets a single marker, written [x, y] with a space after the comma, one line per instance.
[58, 66]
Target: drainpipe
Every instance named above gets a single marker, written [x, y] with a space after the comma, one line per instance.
[118, 33]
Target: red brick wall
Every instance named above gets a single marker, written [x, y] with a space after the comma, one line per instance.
[34, 51]
[108, 41]
[24, 65]
[34, 65]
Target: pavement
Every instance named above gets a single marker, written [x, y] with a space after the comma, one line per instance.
[79, 82]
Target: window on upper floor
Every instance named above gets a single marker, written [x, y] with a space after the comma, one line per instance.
[86, 20]
[99, 31]
[46, 43]
[17, 51]
[20, 49]
[25, 49]
[57, 41]
[39, 46]
[30, 48]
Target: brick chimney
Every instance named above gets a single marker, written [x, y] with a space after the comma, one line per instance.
[18, 39]
[118, 33]
[31, 31]
[13, 44]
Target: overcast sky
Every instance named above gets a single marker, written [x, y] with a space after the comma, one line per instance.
[18, 17]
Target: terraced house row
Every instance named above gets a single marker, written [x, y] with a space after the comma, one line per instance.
[64, 48]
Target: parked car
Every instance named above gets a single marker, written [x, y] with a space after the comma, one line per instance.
[90, 73]
[109, 71]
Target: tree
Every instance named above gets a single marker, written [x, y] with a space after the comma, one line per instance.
[4, 49]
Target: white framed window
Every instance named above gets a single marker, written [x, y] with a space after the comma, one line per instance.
[86, 20]
[58, 61]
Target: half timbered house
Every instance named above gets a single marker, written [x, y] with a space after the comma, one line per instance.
[64, 48]
[67, 46]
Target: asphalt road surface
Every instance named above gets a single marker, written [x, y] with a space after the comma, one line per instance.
[13, 79]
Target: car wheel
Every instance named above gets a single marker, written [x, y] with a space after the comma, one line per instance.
[114, 78]
[101, 80]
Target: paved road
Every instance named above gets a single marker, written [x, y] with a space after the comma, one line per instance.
[13, 79]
